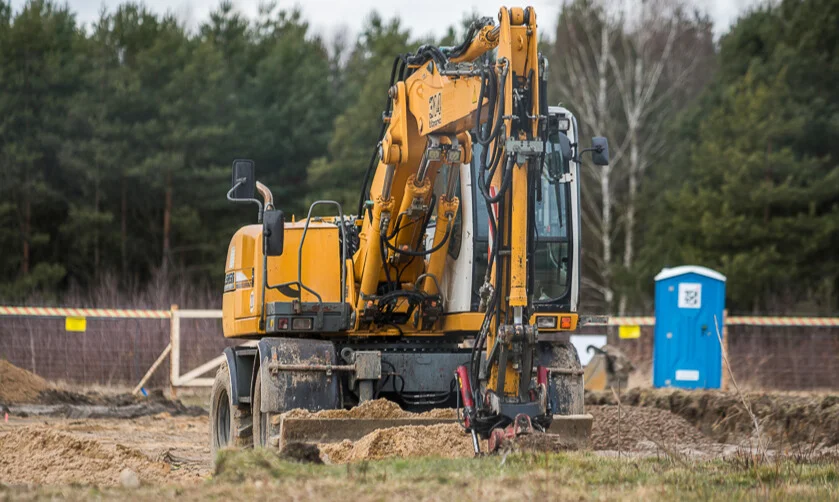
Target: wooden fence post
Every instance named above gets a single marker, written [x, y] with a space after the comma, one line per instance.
[724, 350]
[175, 354]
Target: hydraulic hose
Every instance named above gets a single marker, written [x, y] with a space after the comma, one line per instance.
[421, 253]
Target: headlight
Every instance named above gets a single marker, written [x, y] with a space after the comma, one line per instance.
[563, 123]
[301, 323]
[546, 322]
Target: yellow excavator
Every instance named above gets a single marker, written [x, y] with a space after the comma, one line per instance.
[455, 283]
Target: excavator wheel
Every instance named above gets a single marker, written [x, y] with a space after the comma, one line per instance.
[263, 428]
[229, 425]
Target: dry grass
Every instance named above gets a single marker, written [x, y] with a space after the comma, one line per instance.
[574, 476]
[757, 451]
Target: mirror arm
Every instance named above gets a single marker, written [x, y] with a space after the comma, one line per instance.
[579, 158]
[244, 201]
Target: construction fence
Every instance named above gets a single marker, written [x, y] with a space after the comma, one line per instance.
[118, 347]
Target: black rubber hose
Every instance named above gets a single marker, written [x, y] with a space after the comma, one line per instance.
[388, 106]
[421, 253]
[506, 181]
[385, 266]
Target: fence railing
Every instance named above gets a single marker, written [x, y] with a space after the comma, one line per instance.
[76, 321]
[32, 337]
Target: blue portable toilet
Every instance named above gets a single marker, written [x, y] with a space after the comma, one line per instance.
[686, 352]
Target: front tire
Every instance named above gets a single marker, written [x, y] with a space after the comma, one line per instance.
[229, 425]
[263, 429]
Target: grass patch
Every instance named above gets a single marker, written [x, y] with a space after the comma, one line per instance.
[578, 475]
[260, 474]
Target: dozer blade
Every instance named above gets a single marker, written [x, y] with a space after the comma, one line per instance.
[335, 430]
[572, 431]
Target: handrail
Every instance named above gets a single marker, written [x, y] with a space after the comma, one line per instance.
[299, 281]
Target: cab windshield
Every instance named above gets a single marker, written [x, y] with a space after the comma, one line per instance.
[552, 246]
[549, 258]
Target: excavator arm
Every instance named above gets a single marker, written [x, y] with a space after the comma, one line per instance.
[441, 102]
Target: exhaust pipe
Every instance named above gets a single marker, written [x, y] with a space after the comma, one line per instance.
[266, 194]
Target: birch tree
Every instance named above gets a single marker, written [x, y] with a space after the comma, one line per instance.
[625, 71]
[580, 73]
[658, 55]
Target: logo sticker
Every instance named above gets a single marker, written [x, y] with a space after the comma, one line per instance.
[435, 110]
[229, 282]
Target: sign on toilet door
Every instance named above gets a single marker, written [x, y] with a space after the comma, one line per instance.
[690, 295]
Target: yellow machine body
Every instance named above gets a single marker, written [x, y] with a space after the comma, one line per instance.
[464, 249]
[242, 303]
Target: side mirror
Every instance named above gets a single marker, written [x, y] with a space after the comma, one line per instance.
[600, 151]
[273, 232]
[243, 183]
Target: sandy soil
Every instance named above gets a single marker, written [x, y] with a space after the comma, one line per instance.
[58, 437]
[18, 385]
[159, 449]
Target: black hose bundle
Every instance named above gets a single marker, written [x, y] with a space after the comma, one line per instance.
[473, 30]
[397, 70]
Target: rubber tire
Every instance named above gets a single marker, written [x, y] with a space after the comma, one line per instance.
[263, 429]
[568, 391]
[230, 426]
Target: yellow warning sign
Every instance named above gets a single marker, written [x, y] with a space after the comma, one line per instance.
[633, 331]
[75, 324]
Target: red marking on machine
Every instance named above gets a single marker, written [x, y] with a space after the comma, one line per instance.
[521, 425]
[465, 394]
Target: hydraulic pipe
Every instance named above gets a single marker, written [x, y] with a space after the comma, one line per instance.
[466, 393]
[446, 211]
[411, 213]
[373, 259]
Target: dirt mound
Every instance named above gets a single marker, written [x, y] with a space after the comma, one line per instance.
[442, 440]
[378, 408]
[639, 427]
[38, 455]
[786, 419]
[18, 385]
[68, 404]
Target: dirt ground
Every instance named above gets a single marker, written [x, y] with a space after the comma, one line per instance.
[158, 448]
[59, 438]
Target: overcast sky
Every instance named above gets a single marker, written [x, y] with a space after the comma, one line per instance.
[422, 16]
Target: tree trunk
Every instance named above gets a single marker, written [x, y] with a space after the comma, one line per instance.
[26, 231]
[123, 240]
[629, 232]
[605, 179]
[96, 198]
[167, 223]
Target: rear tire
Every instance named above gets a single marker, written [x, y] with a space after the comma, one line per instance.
[263, 429]
[230, 426]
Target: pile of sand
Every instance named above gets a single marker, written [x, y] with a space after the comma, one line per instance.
[379, 408]
[639, 429]
[641, 426]
[441, 440]
[18, 385]
[786, 419]
[39, 455]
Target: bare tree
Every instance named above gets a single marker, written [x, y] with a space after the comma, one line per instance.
[625, 70]
[658, 58]
[584, 45]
